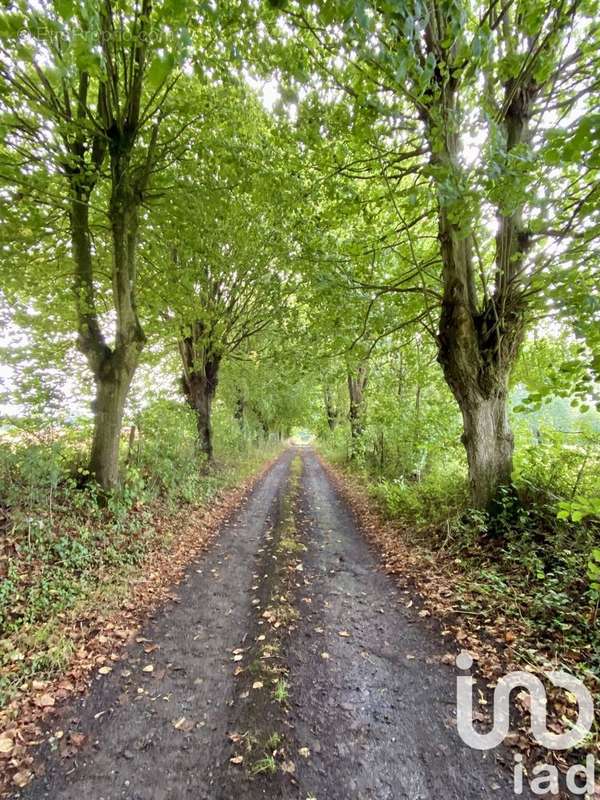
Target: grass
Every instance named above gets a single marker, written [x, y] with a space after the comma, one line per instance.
[280, 693]
[264, 765]
[268, 764]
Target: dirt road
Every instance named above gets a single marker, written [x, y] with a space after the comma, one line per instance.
[290, 667]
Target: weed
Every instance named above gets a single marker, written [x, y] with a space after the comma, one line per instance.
[266, 764]
[274, 740]
[280, 693]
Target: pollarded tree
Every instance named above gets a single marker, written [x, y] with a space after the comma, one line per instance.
[228, 255]
[463, 97]
[85, 89]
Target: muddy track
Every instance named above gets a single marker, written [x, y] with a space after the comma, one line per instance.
[289, 667]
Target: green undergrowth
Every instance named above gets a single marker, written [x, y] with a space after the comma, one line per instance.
[64, 550]
[535, 562]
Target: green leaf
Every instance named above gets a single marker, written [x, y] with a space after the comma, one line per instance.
[159, 69]
[65, 8]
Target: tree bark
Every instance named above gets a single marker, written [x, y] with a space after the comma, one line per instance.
[331, 410]
[200, 390]
[200, 380]
[112, 388]
[357, 383]
[488, 440]
[240, 411]
[113, 367]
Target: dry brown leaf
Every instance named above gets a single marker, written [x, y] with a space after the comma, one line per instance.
[44, 701]
[22, 778]
[183, 724]
[78, 739]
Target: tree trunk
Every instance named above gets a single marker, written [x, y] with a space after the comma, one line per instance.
[113, 368]
[357, 384]
[488, 440]
[112, 388]
[200, 394]
[200, 379]
[131, 444]
[479, 337]
[477, 353]
[115, 131]
[240, 411]
[331, 411]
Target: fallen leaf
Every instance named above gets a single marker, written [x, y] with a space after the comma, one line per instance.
[304, 752]
[325, 655]
[44, 701]
[105, 670]
[148, 668]
[238, 657]
[257, 685]
[345, 634]
[6, 744]
[22, 778]
[237, 759]
[183, 724]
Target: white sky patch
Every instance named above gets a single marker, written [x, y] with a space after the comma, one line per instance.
[268, 91]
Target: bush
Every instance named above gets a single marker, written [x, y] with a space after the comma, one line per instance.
[436, 498]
